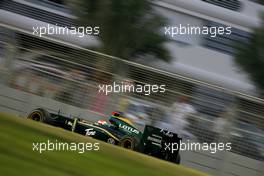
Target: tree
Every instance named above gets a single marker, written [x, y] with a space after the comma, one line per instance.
[260, 2]
[250, 57]
[128, 28]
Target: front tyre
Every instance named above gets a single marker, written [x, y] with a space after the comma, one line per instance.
[40, 115]
[111, 141]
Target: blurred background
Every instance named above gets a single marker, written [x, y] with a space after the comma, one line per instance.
[220, 79]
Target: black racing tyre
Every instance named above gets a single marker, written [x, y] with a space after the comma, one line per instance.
[177, 159]
[129, 142]
[173, 158]
[40, 115]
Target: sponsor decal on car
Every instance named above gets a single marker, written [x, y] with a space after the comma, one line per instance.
[166, 133]
[155, 140]
[90, 132]
[128, 128]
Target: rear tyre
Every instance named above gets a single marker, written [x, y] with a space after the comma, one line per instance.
[177, 159]
[40, 115]
[129, 142]
[173, 158]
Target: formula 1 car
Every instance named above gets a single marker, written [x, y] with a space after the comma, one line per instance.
[118, 131]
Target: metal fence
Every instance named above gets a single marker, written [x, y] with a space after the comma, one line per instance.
[72, 76]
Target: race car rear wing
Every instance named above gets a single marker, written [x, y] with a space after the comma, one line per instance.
[155, 141]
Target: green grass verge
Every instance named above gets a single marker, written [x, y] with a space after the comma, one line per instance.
[18, 158]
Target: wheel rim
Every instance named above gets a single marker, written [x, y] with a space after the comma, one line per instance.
[110, 141]
[127, 144]
[36, 116]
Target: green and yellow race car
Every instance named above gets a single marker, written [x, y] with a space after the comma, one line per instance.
[118, 131]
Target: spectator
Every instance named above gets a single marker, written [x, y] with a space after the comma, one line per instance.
[220, 125]
[220, 122]
[178, 116]
[100, 101]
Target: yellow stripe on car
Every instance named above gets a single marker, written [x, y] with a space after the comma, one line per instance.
[126, 120]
